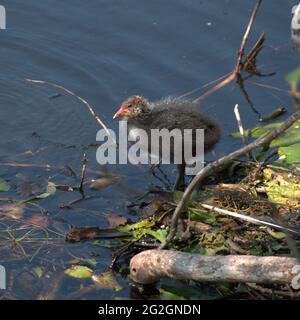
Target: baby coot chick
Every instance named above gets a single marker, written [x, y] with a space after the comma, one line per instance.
[169, 113]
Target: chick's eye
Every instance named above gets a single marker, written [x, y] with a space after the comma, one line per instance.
[129, 106]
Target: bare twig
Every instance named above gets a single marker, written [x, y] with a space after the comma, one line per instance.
[241, 82]
[213, 166]
[251, 219]
[271, 292]
[240, 124]
[241, 128]
[28, 165]
[246, 37]
[239, 64]
[227, 80]
[83, 172]
[88, 106]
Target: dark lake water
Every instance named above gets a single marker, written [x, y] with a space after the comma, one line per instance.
[105, 51]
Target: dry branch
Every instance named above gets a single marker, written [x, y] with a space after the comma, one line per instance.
[292, 230]
[151, 265]
[87, 105]
[235, 74]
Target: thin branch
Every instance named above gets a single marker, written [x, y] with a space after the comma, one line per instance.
[251, 219]
[230, 78]
[246, 37]
[83, 172]
[240, 124]
[213, 166]
[241, 82]
[241, 128]
[88, 106]
[204, 86]
[239, 64]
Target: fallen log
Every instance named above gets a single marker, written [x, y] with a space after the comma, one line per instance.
[151, 265]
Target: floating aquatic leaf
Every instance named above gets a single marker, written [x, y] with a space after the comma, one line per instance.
[145, 223]
[51, 189]
[38, 272]
[293, 79]
[155, 208]
[102, 183]
[107, 280]
[4, 186]
[79, 272]
[91, 233]
[92, 262]
[26, 187]
[39, 220]
[12, 210]
[275, 114]
[115, 220]
[110, 243]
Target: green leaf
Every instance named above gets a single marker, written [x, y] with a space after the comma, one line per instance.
[92, 262]
[51, 189]
[290, 154]
[282, 190]
[276, 246]
[276, 235]
[79, 272]
[107, 280]
[289, 137]
[293, 79]
[202, 216]
[4, 186]
[160, 234]
[178, 290]
[166, 295]
[145, 223]
[258, 131]
[110, 243]
[215, 250]
[13, 211]
[38, 272]
[256, 250]
[177, 196]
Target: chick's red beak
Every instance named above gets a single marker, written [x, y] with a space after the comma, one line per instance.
[120, 113]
